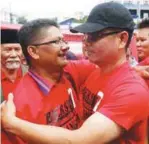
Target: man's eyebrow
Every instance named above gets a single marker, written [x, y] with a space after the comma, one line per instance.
[60, 37]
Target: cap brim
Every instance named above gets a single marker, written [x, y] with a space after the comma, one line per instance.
[87, 28]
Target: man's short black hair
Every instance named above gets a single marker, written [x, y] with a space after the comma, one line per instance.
[144, 23]
[31, 32]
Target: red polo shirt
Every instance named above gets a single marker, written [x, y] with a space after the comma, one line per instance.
[38, 101]
[7, 85]
[123, 97]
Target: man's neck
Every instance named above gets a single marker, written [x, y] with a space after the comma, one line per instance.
[108, 68]
[11, 74]
[51, 75]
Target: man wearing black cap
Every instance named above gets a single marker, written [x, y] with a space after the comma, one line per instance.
[115, 98]
[11, 53]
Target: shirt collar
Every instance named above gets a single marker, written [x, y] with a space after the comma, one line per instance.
[19, 74]
[43, 84]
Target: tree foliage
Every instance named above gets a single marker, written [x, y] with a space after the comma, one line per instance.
[21, 20]
[83, 20]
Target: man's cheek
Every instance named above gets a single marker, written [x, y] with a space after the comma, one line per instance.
[4, 55]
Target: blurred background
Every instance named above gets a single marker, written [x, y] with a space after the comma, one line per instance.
[68, 13]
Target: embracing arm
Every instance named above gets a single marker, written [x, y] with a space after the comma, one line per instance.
[96, 129]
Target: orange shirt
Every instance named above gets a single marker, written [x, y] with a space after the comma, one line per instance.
[7, 85]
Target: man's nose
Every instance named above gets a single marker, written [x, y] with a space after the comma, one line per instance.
[138, 43]
[65, 47]
[13, 53]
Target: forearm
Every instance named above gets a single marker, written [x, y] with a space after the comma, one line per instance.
[34, 133]
[89, 133]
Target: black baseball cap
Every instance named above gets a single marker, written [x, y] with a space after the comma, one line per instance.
[9, 36]
[106, 15]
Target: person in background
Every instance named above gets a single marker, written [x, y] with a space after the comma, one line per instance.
[140, 48]
[11, 68]
[143, 48]
[142, 42]
[142, 39]
[115, 99]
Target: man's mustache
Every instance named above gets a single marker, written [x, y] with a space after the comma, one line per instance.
[13, 60]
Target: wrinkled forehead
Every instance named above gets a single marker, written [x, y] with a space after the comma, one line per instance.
[10, 45]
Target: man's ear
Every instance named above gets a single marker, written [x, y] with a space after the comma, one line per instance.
[33, 52]
[123, 36]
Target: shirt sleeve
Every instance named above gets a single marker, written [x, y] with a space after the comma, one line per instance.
[80, 70]
[127, 105]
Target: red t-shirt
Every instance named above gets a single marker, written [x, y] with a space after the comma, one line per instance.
[145, 62]
[7, 85]
[124, 98]
[57, 107]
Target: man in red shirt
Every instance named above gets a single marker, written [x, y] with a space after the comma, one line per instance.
[143, 45]
[10, 61]
[115, 99]
[47, 94]
[143, 42]
[12, 70]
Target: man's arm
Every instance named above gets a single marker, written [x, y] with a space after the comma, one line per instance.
[96, 129]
